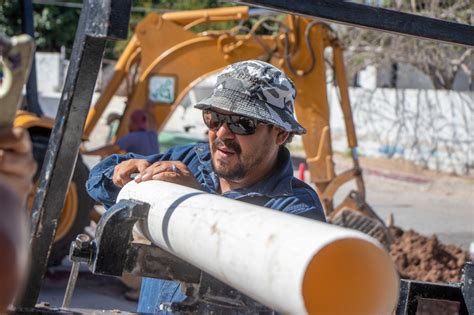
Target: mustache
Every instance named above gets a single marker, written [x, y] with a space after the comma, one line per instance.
[234, 146]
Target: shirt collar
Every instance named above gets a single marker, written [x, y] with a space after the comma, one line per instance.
[277, 183]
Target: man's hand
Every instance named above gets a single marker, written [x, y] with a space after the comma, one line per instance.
[17, 166]
[169, 171]
[124, 170]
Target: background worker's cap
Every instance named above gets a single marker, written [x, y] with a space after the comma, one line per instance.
[256, 89]
[139, 119]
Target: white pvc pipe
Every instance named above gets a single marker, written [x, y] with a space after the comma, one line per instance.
[288, 263]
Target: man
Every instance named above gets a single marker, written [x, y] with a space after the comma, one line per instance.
[250, 117]
[17, 168]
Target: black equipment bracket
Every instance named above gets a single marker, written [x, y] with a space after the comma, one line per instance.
[428, 298]
[356, 14]
[100, 20]
[113, 253]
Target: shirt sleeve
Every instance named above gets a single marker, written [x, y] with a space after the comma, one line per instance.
[100, 186]
[304, 202]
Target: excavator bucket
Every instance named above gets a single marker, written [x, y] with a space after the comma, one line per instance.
[355, 213]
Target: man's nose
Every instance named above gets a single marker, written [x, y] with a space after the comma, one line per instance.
[223, 132]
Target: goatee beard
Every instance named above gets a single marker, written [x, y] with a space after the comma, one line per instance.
[236, 173]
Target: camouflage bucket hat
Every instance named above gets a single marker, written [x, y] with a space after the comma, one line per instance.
[256, 89]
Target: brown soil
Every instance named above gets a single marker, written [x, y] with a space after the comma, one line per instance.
[424, 258]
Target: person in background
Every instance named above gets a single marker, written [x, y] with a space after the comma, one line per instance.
[17, 168]
[141, 139]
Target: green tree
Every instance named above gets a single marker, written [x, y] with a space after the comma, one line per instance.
[10, 17]
[55, 26]
[440, 62]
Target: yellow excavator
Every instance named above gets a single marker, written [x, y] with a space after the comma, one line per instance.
[165, 58]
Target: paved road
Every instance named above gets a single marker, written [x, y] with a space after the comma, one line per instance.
[423, 201]
[429, 205]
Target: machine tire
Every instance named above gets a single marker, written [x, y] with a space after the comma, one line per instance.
[85, 204]
[78, 216]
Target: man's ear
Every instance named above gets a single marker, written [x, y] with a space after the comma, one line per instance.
[282, 135]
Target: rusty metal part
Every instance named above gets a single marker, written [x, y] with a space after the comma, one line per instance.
[151, 261]
[99, 21]
[415, 296]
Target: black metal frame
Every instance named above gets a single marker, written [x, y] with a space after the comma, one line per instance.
[361, 15]
[100, 20]
[112, 253]
[108, 19]
[413, 292]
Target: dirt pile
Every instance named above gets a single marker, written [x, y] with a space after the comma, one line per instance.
[418, 257]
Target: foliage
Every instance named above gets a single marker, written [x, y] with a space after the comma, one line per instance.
[10, 18]
[55, 26]
[440, 62]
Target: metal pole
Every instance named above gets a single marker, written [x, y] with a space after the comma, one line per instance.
[27, 26]
[82, 243]
[71, 284]
[348, 12]
[100, 20]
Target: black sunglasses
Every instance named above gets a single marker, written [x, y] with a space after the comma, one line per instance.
[239, 125]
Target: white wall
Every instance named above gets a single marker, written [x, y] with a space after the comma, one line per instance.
[432, 128]
[409, 77]
[48, 72]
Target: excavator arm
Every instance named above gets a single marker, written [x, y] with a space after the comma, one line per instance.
[170, 60]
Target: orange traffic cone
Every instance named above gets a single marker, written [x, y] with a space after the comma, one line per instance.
[301, 169]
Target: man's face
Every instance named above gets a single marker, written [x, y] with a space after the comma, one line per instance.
[234, 157]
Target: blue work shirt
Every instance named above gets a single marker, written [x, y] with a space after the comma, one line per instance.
[141, 142]
[280, 190]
